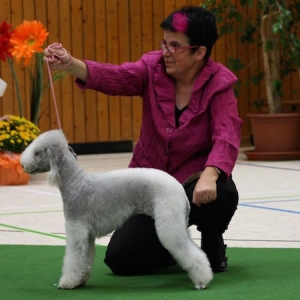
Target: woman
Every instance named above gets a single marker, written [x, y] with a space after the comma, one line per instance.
[190, 124]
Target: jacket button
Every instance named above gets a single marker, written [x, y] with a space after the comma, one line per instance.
[168, 130]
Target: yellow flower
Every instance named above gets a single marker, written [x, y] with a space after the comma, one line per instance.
[16, 133]
[21, 127]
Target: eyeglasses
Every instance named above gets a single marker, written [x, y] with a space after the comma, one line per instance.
[171, 49]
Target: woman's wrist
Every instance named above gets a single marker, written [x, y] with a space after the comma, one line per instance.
[78, 69]
[212, 171]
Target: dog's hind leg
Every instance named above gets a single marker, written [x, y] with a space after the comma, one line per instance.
[79, 256]
[173, 233]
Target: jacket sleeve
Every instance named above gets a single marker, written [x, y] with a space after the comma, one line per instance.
[226, 129]
[128, 79]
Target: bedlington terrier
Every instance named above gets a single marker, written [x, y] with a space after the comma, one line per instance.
[96, 204]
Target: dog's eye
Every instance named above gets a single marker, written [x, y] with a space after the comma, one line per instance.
[36, 153]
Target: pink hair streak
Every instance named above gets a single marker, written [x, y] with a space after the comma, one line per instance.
[180, 22]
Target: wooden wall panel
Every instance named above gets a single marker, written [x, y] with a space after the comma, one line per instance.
[136, 51]
[242, 51]
[90, 101]
[111, 31]
[66, 85]
[101, 55]
[113, 57]
[124, 54]
[77, 42]
[158, 16]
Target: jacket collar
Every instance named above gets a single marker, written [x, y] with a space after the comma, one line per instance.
[164, 87]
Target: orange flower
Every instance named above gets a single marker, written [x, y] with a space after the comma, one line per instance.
[27, 39]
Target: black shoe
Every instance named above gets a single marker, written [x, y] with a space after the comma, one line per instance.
[223, 266]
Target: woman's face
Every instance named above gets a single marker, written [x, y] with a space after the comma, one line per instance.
[183, 61]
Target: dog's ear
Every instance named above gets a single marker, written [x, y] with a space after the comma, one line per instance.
[53, 176]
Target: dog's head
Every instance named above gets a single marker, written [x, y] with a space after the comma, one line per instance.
[38, 155]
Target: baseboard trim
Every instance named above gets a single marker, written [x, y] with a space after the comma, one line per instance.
[102, 147]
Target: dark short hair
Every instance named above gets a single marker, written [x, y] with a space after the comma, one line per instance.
[201, 26]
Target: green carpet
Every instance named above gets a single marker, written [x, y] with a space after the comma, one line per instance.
[32, 272]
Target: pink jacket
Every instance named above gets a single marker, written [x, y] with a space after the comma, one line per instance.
[209, 131]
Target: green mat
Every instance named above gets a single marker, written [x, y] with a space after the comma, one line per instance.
[32, 272]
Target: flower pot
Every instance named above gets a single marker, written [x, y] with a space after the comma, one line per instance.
[276, 136]
[11, 171]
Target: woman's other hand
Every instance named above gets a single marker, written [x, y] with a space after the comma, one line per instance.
[205, 190]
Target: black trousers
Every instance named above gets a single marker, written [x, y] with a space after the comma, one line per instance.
[135, 249]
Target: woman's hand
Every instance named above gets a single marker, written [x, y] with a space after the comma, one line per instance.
[205, 190]
[57, 56]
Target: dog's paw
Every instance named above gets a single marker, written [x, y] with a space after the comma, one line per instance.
[200, 286]
[69, 284]
[66, 286]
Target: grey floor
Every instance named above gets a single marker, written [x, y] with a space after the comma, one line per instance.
[268, 214]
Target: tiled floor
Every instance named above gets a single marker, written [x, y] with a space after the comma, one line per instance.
[268, 214]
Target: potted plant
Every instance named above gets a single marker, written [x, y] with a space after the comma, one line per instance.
[24, 43]
[16, 134]
[272, 26]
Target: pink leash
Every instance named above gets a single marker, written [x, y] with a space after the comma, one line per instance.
[53, 95]
[56, 46]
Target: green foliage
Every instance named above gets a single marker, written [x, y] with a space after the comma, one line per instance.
[259, 103]
[272, 25]
[256, 79]
[235, 64]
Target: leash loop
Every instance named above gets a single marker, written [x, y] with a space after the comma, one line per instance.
[59, 47]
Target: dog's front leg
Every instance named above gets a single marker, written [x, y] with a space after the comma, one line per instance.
[79, 256]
